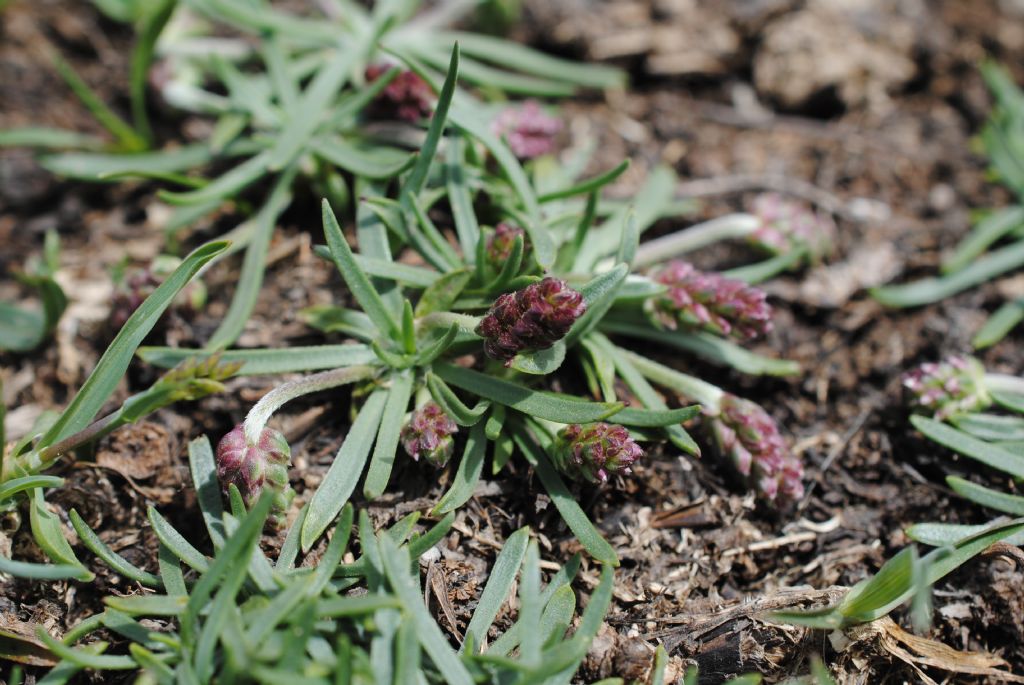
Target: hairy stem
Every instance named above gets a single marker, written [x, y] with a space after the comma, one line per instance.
[695, 237]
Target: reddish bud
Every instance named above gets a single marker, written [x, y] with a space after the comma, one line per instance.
[428, 434]
[595, 451]
[407, 97]
[787, 225]
[528, 130]
[709, 300]
[501, 242]
[750, 438]
[953, 386]
[534, 318]
[253, 467]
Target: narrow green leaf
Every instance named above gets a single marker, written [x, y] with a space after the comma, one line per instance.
[542, 404]
[84, 658]
[986, 233]
[356, 279]
[459, 412]
[530, 608]
[341, 478]
[112, 365]
[599, 294]
[225, 186]
[204, 479]
[709, 347]
[175, 543]
[540, 362]
[460, 198]
[16, 485]
[566, 504]
[987, 497]
[386, 447]
[250, 279]
[413, 184]
[590, 185]
[268, 361]
[959, 441]
[499, 584]
[396, 565]
[307, 113]
[147, 605]
[930, 290]
[24, 569]
[42, 138]
[999, 324]
[443, 292]
[115, 561]
[361, 158]
[152, 25]
[48, 535]
[987, 426]
[128, 138]
[468, 473]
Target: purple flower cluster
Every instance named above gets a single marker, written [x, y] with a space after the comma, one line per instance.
[254, 467]
[709, 300]
[428, 434]
[407, 97]
[499, 245]
[529, 132]
[595, 451]
[952, 386]
[787, 225]
[750, 438]
[534, 318]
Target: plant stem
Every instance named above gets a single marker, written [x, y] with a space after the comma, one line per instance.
[710, 396]
[695, 237]
[261, 412]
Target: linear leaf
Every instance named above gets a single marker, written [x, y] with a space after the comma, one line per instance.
[959, 441]
[347, 467]
[499, 584]
[468, 473]
[268, 361]
[115, 561]
[987, 497]
[386, 447]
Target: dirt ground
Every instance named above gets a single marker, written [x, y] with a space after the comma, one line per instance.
[864, 108]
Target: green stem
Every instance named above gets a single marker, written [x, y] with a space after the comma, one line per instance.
[695, 237]
[261, 412]
[708, 395]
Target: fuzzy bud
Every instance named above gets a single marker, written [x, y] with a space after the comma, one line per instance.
[501, 242]
[787, 225]
[407, 97]
[428, 434]
[534, 318]
[595, 451]
[709, 300]
[750, 438]
[952, 386]
[529, 131]
[253, 467]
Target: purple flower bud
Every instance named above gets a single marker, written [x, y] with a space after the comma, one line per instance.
[709, 300]
[595, 451]
[529, 132]
[253, 467]
[953, 386]
[750, 438]
[534, 318]
[428, 434]
[787, 225]
[499, 246]
[407, 97]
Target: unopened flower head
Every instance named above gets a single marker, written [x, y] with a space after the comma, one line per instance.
[787, 225]
[428, 434]
[407, 97]
[953, 386]
[529, 131]
[531, 319]
[709, 300]
[750, 438]
[255, 467]
[500, 244]
[595, 451]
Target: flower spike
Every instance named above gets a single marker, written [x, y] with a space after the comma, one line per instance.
[253, 467]
[953, 386]
[595, 451]
[787, 226]
[750, 438]
[529, 132]
[499, 246]
[709, 300]
[531, 319]
[428, 434]
[407, 97]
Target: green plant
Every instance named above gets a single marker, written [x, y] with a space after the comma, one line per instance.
[526, 304]
[58, 435]
[239, 617]
[294, 98]
[22, 330]
[973, 262]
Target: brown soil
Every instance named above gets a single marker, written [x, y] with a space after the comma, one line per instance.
[873, 123]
